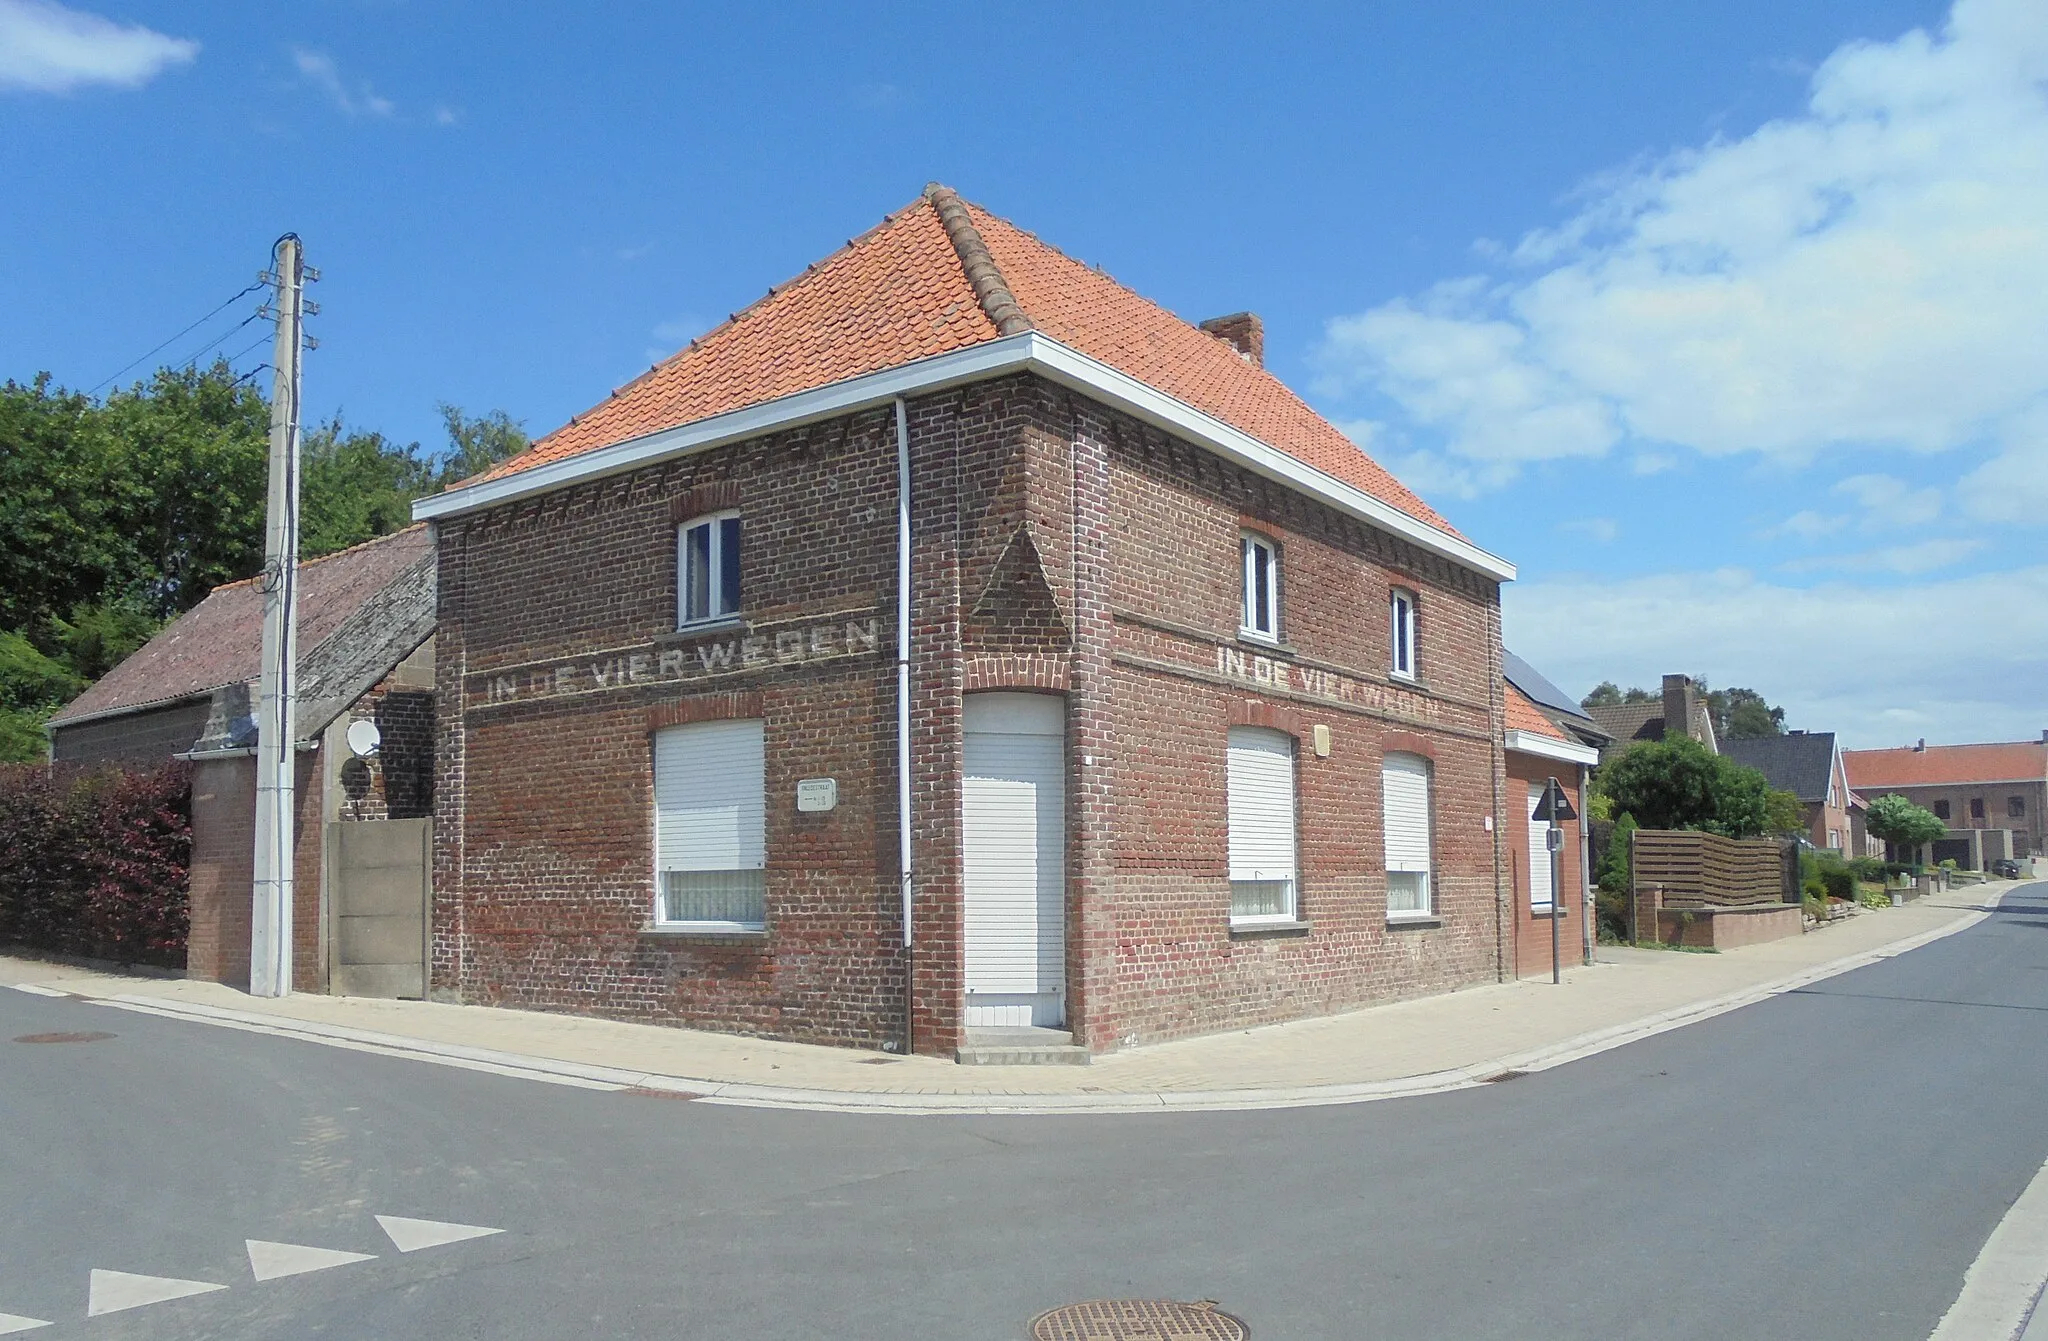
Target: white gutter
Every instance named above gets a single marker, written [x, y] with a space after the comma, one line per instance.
[903, 709]
[1031, 351]
[1549, 747]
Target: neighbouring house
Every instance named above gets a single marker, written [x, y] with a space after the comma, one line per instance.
[1682, 702]
[1809, 765]
[1204, 723]
[366, 620]
[1538, 750]
[1561, 709]
[1991, 795]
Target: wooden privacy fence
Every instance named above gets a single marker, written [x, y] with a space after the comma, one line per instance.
[1705, 870]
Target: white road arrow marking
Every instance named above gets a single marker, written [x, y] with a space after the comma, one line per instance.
[113, 1291]
[271, 1260]
[412, 1235]
[11, 1323]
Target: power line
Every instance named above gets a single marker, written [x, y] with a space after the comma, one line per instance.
[181, 335]
[193, 357]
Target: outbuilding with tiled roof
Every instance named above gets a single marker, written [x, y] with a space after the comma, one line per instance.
[956, 650]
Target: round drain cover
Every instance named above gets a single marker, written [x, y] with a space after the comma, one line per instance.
[61, 1038]
[1138, 1320]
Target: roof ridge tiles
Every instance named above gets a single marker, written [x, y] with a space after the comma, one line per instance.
[977, 263]
[323, 558]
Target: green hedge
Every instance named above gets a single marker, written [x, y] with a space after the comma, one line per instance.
[97, 864]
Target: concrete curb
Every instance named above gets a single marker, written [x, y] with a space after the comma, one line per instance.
[745, 1095]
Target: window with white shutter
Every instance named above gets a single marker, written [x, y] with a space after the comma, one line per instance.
[1404, 790]
[1260, 777]
[709, 817]
[1539, 855]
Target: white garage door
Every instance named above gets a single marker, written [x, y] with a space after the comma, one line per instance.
[1015, 841]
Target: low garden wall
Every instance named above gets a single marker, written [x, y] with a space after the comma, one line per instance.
[96, 864]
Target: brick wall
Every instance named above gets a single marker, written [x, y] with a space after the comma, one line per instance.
[1058, 546]
[223, 860]
[397, 782]
[2030, 829]
[1529, 934]
[143, 739]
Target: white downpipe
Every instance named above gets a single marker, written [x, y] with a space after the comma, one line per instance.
[903, 701]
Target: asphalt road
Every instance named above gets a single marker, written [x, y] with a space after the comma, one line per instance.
[1825, 1164]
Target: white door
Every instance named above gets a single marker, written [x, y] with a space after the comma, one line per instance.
[1015, 841]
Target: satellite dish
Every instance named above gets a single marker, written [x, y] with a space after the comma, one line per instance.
[363, 739]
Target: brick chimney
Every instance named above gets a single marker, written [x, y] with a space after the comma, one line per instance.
[1681, 705]
[1922, 745]
[1242, 331]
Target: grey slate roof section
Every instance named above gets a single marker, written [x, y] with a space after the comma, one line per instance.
[1796, 764]
[380, 633]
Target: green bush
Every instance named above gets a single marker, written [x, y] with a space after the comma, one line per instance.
[1816, 906]
[1874, 898]
[1836, 878]
[1611, 910]
[1868, 868]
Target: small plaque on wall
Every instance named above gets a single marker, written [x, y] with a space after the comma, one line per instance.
[817, 794]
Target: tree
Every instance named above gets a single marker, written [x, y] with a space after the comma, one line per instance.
[475, 445]
[355, 486]
[31, 687]
[1782, 812]
[1676, 783]
[1613, 876]
[1606, 694]
[1902, 824]
[1742, 714]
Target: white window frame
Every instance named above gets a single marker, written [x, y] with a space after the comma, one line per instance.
[716, 613]
[754, 862]
[1290, 912]
[1427, 912]
[1250, 545]
[1402, 626]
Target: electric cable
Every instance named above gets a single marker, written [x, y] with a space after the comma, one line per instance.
[259, 284]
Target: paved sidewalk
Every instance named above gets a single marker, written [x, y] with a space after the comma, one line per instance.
[1410, 1047]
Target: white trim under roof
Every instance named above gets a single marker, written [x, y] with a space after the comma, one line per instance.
[1549, 747]
[1031, 351]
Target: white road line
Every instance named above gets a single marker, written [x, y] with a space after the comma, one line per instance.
[113, 1291]
[272, 1260]
[10, 1323]
[412, 1235]
[2002, 1283]
[34, 989]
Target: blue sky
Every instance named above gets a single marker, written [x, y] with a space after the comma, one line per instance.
[1724, 321]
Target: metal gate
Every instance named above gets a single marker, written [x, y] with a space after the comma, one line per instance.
[379, 873]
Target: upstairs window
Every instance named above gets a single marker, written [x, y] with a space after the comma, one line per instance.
[1941, 810]
[1261, 587]
[1401, 621]
[708, 568]
[2015, 807]
[709, 826]
[1976, 807]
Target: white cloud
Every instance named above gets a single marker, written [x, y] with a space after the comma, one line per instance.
[2013, 485]
[1870, 273]
[447, 116]
[1806, 524]
[320, 71]
[1601, 530]
[1891, 501]
[1866, 659]
[47, 48]
[1912, 558]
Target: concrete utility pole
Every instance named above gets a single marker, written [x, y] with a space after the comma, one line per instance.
[270, 923]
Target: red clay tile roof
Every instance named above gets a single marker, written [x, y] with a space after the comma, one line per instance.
[920, 285]
[1874, 770]
[1524, 715]
[220, 640]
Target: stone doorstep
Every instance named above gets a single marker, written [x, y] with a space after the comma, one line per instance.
[1023, 1046]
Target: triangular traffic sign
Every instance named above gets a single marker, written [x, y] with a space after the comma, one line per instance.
[10, 1323]
[271, 1260]
[410, 1236]
[113, 1291]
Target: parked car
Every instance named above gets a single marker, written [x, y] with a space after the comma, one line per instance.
[2005, 868]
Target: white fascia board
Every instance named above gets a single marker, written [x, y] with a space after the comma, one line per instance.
[1030, 351]
[1549, 747]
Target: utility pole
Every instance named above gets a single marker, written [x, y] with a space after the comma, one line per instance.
[270, 923]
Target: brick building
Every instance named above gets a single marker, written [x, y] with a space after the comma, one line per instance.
[1809, 765]
[366, 638]
[1977, 789]
[1202, 710]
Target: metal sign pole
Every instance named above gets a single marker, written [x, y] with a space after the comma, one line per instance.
[1553, 808]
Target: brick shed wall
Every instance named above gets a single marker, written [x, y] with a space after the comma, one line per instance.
[1058, 547]
[223, 862]
[1529, 935]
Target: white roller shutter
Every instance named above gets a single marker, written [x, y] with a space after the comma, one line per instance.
[1405, 783]
[1014, 809]
[1261, 782]
[709, 804]
[1539, 853]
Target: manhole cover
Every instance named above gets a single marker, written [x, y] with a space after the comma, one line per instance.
[1138, 1320]
[61, 1038]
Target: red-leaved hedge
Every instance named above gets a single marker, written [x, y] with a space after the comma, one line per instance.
[97, 864]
